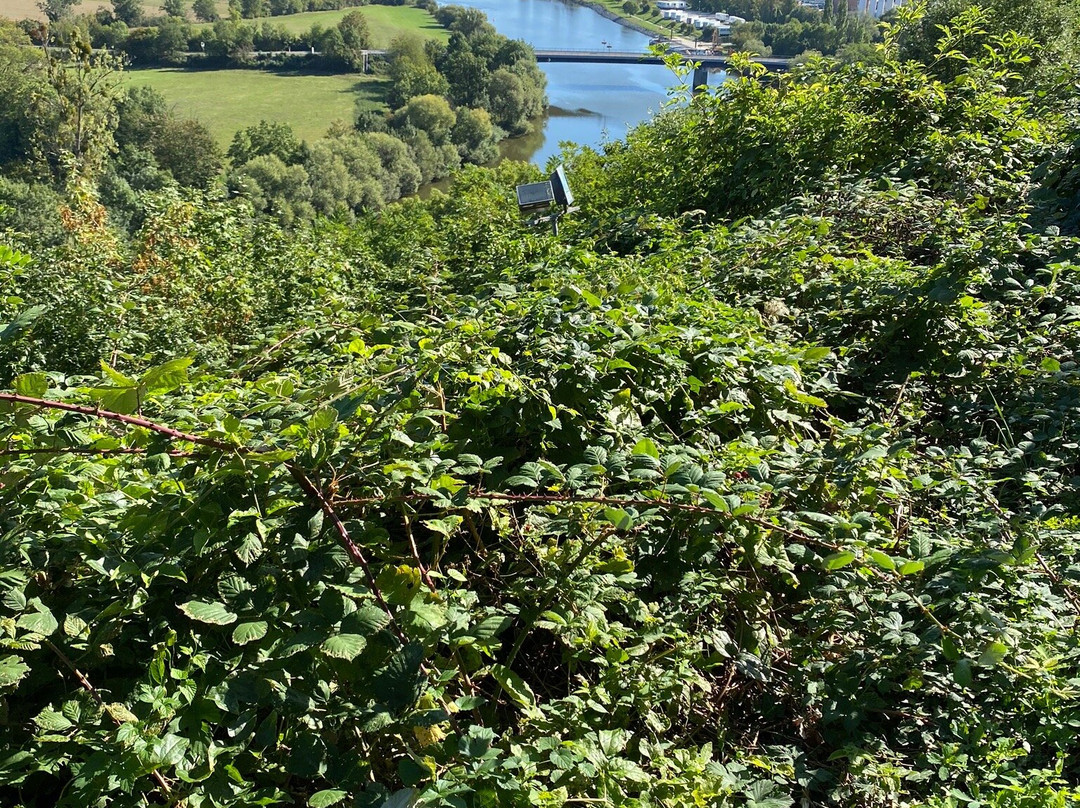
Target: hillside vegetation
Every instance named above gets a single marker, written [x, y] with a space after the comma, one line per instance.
[755, 487]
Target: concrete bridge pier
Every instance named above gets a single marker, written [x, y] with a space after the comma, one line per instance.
[700, 80]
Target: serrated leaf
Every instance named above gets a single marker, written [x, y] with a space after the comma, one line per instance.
[166, 377]
[837, 560]
[120, 713]
[344, 646]
[168, 751]
[646, 447]
[369, 620]
[51, 720]
[911, 567]
[329, 796]
[249, 632]
[34, 385]
[40, 621]
[717, 501]
[14, 599]
[919, 545]
[213, 613]
[12, 669]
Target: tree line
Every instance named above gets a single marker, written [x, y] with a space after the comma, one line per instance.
[449, 105]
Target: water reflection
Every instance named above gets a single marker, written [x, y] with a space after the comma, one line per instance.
[590, 104]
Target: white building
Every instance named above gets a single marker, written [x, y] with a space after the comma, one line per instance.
[721, 22]
[672, 5]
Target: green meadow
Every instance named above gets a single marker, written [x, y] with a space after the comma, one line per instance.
[229, 100]
[385, 22]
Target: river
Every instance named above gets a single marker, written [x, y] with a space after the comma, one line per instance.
[588, 103]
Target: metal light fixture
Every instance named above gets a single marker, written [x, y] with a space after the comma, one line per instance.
[553, 195]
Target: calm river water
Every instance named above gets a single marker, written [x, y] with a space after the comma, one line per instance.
[589, 103]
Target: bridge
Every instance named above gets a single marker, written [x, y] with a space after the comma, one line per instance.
[702, 61]
[610, 57]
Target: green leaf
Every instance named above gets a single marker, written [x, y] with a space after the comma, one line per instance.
[717, 501]
[167, 377]
[12, 669]
[993, 654]
[962, 674]
[882, 560]
[329, 796]
[249, 632]
[115, 376]
[838, 560]
[33, 385]
[516, 687]
[50, 720]
[815, 354]
[400, 799]
[323, 419]
[344, 646]
[367, 620]
[911, 567]
[40, 621]
[214, 613]
[646, 447]
[1050, 365]
[949, 648]
[620, 518]
[169, 750]
[919, 545]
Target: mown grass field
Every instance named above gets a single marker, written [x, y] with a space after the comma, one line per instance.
[229, 100]
[385, 22]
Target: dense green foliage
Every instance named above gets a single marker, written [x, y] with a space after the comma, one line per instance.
[66, 117]
[756, 487]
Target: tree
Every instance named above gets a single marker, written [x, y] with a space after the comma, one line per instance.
[232, 40]
[273, 187]
[412, 72]
[400, 176]
[128, 11]
[205, 10]
[187, 150]
[55, 10]
[466, 71]
[475, 136]
[265, 138]
[75, 111]
[22, 71]
[173, 8]
[355, 38]
[253, 9]
[430, 114]
[344, 176]
[141, 113]
[173, 34]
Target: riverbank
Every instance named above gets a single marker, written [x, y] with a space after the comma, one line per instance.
[646, 27]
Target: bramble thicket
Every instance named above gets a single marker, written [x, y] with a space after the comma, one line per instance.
[756, 486]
